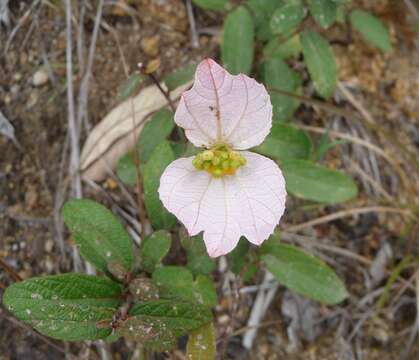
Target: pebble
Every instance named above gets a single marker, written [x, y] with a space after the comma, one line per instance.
[40, 78]
[49, 245]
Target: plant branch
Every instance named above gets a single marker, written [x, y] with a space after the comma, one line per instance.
[12, 272]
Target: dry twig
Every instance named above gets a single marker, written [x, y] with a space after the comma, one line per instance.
[346, 213]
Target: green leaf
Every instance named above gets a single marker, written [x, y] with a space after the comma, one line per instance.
[321, 62]
[161, 157]
[325, 145]
[157, 323]
[215, 5]
[271, 245]
[285, 142]
[100, 236]
[314, 182]
[237, 46]
[66, 307]
[202, 343]
[180, 77]
[262, 11]
[143, 289]
[150, 333]
[126, 169]
[190, 150]
[199, 261]
[305, 274]
[112, 338]
[371, 28]
[178, 281]
[179, 317]
[130, 86]
[278, 48]
[287, 17]
[278, 76]
[154, 248]
[154, 132]
[324, 12]
[237, 257]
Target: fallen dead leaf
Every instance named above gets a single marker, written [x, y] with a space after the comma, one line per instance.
[115, 134]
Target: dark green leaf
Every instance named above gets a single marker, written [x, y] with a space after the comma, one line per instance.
[143, 289]
[271, 245]
[180, 317]
[126, 169]
[324, 12]
[237, 47]
[148, 332]
[178, 281]
[314, 182]
[237, 257]
[305, 274]
[262, 11]
[321, 63]
[287, 17]
[98, 233]
[178, 149]
[202, 343]
[278, 76]
[191, 150]
[325, 145]
[371, 28]
[179, 77]
[278, 48]
[199, 261]
[66, 307]
[154, 248]
[215, 5]
[161, 157]
[112, 338]
[285, 142]
[155, 131]
[130, 86]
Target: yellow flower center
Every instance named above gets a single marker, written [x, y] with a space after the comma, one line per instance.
[219, 161]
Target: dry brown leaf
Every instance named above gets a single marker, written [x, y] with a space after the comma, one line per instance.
[115, 134]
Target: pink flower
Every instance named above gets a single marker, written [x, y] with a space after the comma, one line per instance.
[224, 191]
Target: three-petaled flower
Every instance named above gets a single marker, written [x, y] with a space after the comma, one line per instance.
[224, 191]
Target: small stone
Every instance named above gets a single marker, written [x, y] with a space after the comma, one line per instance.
[223, 319]
[49, 245]
[40, 78]
[14, 90]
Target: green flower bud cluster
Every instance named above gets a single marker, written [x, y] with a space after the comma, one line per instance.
[219, 161]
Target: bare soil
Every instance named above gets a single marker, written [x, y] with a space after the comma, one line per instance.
[387, 86]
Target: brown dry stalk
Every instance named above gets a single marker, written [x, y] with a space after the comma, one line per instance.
[12, 272]
[355, 140]
[346, 213]
[363, 115]
[372, 124]
[417, 297]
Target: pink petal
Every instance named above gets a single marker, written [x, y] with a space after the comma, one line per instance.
[221, 107]
[249, 204]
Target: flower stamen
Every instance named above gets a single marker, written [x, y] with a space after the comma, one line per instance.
[219, 161]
